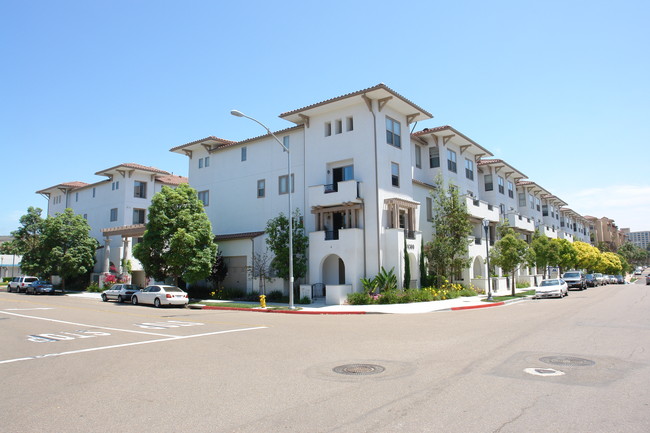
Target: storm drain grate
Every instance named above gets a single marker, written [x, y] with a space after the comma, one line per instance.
[358, 369]
[567, 360]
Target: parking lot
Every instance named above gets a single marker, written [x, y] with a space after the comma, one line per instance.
[78, 365]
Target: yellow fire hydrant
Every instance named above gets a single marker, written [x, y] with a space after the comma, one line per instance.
[262, 301]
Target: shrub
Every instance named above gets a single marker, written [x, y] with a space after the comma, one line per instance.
[362, 298]
[305, 300]
[94, 287]
[389, 297]
[275, 295]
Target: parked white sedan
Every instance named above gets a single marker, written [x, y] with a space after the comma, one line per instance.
[159, 295]
[552, 288]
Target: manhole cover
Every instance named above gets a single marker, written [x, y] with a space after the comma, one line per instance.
[358, 369]
[567, 360]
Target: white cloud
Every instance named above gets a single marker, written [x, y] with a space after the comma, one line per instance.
[628, 205]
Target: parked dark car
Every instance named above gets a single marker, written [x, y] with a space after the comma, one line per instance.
[620, 279]
[591, 280]
[39, 288]
[575, 280]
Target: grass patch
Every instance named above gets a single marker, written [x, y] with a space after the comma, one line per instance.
[230, 304]
[508, 297]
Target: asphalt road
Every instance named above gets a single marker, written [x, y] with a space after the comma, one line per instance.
[578, 364]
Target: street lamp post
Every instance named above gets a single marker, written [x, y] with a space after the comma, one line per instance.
[486, 227]
[289, 186]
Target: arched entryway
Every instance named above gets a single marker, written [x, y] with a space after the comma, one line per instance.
[478, 269]
[333, 270]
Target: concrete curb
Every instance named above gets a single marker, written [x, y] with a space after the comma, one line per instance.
[263, 310]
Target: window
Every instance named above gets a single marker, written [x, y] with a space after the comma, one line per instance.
[207, 161]
[489, 186]
[502, 209]
[115, 185]
[243, 153]
[537, 204]
[522, 199]
[451, 160]
[418, 156]
[114, 214]
[349, 124]
[200, 162]
[76, 196]
[429, 209]
[282, 184]
[261, 188]
[394, 171]
[339, 126]
[469, 169]
[393, 132]
[502, 189]
[328, 129]
[204, 196]
[511, 190]
[545, 210]
[138, 216]
[285, 141]
[434, 157]
[93, 192]
[140, 189]
[531, 200]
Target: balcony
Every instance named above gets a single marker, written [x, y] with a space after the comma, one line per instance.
[342, 242]
[333, 194]
[481, 210]
[519, 222]
[549, 232]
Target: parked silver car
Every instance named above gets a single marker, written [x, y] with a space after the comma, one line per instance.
[120, 292]
[160, 295]
[575, 279]
[19, 284]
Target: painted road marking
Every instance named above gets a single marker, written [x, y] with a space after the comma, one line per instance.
[86, 325]
[116, 346]
[65, 336]
[167, 324]
[28, 309]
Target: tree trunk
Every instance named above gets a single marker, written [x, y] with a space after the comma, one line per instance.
[512, 287]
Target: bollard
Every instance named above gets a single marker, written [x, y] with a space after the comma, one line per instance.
[262, 301]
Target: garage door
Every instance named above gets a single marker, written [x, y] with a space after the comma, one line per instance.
[237, 273]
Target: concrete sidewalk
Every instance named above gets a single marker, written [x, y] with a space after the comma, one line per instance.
[319, 307]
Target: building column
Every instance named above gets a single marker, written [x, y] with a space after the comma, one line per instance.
[126, 253]
[107, 254]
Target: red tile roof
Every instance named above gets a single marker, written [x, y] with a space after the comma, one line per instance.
[172, 179]
[380, 86]
[135, 167]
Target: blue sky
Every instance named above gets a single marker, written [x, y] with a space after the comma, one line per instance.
[558, 89]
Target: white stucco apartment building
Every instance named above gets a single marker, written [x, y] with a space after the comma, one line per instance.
[116, 209]
[362, 182]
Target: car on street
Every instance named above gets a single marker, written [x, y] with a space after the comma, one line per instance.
[552, 288]
[599, 278]
[120, 292]
[591, 280]
[160, 295]
[619, 279]
[39, 287]
[575, 280]
[19, 284]
[647, 280]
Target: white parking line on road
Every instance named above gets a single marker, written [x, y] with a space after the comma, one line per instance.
[28, 309]
[116, 346]
[86, 325]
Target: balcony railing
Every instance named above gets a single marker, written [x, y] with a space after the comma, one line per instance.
[331, 235]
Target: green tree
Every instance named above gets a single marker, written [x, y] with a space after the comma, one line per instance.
[541, 250]
[67, 249]
[219, 270]
[277, 231]
[407, 267]
[27, 242]
[424, 275]
[448, 251]
[178, 240]
[632, 253]
[509, 253]
[564, 255]
[610, 263]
